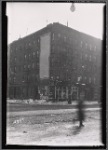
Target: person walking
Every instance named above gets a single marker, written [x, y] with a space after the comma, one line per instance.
[80, 112]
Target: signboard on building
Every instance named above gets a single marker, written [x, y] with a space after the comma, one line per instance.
[44, 55]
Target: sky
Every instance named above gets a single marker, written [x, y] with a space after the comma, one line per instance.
[26, 18]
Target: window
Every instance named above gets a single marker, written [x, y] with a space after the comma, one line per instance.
[59, 35]
[81, 56]
[85, 78]
[52, 47]
[57, 77]
[63, 49]
[53, 36]
[33, 53]
[95, 48]
[79, 78]
[38, 40]
[86, 45]
[90, 57]
[89, 79]
[10, 79]
[90, 47]
[28, 66]
[24, 66]
[23, 79]
[33, 65]
[65, 38]
[26, 45]
[25, 56]
[15, 68]
[83, 66]
[37, 76]
[81, 43]
[94, 80]
[94, 58]
[28, 78]
[86, 56]
[14, 79]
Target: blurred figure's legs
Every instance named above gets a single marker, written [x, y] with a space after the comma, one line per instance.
[81, 123]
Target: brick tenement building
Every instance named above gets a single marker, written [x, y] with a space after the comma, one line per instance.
[56, 61]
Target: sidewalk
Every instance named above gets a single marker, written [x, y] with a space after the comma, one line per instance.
[45, 112]
[30, 101]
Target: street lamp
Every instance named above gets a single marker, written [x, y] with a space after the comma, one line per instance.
[80, 88]
[77, 90]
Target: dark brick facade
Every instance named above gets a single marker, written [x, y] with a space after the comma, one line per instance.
[74, 65]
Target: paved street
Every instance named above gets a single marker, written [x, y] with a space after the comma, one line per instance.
[52, 125]
[54, 129]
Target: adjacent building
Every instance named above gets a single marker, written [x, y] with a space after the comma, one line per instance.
[56, 62]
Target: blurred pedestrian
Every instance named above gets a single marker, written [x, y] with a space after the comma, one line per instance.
[69, 99]
[80, 111]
